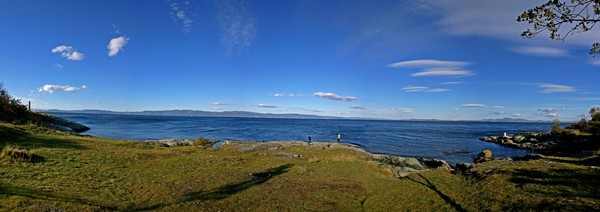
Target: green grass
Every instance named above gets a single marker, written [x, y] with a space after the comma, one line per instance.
[86, 173]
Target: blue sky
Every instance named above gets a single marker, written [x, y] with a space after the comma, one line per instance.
[385, 59]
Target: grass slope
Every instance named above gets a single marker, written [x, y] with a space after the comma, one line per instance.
[86, 173]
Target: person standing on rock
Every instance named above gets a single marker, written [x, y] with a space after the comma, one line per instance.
[309, 138]
[339, 137]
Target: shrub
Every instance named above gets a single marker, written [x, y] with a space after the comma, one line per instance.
[203, 142]
[556, 127]
[11, 109]
[14, 153]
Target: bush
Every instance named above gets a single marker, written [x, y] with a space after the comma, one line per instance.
[11, 109]
[14, 153]
[204, 142]
[556, 127]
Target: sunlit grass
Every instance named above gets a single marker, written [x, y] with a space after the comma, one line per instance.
[86, 173]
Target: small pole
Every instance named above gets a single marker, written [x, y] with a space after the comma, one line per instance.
[29, 105]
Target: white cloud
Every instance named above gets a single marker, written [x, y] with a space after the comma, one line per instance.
[498, 112]
[279, 94]
[437, 90]
[218, 103]
[495, 19]
[358, 108]
[238, 25]
[57, 88]
[442, 73]
[455, 109]
[414, 88]
[116, 45]
[333, 96]
[68, 52]
[554, 88]
[595, 62]
[58, 65]
[473, 105]
[404, 109]
[518, 115]
[180, 12]
[450, 83]
[429, 64]
[266, 106]
[548, 112]
[497, 107]
[540, 51]
[424, 89]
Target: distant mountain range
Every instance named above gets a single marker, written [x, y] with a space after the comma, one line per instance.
[243, 114]
[246, 114]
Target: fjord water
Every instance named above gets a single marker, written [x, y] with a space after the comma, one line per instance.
[451, 141]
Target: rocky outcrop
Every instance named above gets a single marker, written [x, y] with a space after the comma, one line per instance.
[484, 156]
[435, 164]
[170, 142]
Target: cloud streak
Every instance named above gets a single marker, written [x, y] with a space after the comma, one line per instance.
[336, 97]
[443, 73]
[429, 64]
[554, 88]
[116, 45]
[237, 24]
[473, 105]
[540, 51]
[266, 106]
[56, 88]
[181, 13]
[68, 52]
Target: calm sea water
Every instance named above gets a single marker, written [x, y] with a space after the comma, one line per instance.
[451, 141]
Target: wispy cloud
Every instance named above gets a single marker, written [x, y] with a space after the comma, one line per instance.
[336, 97]
[289, 94]
[442, 73]
[58, 65]
[498, 112]
[548, 112]
[358, 108]
[116, 45]
[540, 51]
[237, 23]
[68, 52]
[437, 90]
[181, 13]
[429, 64]
[450, 83]
[266, 106]
[473, 105]
[554, 88]
[497, 107]
[595, 62]
[424, 89]
[57, 88]
[414, 88]
[517, 115]
[218, 103]
[403, 109]
[435, 68]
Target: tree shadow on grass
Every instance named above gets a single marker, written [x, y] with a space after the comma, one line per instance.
[22, 138]
[229, 190]
[445, 197]
[559, 184]
[46, 195]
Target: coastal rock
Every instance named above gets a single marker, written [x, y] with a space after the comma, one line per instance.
[503, 159]
[485, 155]
[170, 142]
[463, 167]
[519, 138]
[398, 161]
[401, 172]
[435, 163]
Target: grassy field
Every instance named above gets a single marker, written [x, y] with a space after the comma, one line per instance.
[85, 173]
